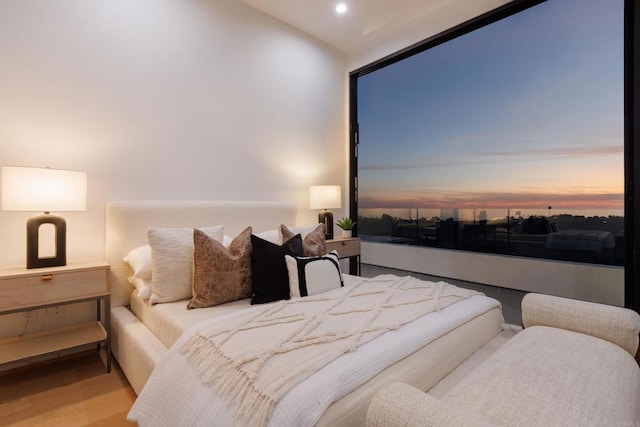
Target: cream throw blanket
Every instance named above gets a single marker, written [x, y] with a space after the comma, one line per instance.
[254, 359]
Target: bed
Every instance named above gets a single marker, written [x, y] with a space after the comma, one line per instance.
[146, 336]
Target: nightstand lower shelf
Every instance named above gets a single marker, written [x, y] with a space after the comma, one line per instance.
[41, 343]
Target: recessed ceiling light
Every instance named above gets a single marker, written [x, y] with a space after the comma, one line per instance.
[341, 8]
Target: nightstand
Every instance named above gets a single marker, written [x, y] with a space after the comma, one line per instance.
[23, 290]
[347, 248]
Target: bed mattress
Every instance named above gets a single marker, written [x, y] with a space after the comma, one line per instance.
[168, 321]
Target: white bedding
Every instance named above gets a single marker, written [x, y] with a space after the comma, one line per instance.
[138, 350]
[169, 321]
[174, 395]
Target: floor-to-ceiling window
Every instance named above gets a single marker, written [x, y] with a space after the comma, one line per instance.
[503, 136]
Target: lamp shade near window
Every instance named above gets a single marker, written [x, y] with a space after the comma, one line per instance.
[325, 197]
[43, 190]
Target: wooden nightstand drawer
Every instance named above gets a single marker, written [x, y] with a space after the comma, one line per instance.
[22, 288]
[345, 247]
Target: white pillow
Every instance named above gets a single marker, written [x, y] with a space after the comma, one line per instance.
[139, 260]
[273, 236]
[172, 261]
[313, 275]
[143, 286]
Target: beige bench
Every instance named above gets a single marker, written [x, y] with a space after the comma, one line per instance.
[572, 365]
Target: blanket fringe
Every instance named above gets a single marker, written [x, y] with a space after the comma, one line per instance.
[233, 383]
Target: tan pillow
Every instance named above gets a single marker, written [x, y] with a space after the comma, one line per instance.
[219, 274]
[313, 243]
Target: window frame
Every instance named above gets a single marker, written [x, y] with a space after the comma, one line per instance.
[631, 121]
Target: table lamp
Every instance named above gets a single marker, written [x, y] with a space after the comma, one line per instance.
[325, 197]
[44, 190]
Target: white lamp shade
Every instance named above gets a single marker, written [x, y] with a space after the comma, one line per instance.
[325, 197]
[43, 190]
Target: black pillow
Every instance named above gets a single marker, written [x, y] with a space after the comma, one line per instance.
[269, 275]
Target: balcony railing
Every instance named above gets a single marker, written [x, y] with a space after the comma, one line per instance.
[592, 239]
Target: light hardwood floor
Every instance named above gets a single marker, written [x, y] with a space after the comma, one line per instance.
[71, 391]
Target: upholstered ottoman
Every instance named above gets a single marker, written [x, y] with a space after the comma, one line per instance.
[572, 365]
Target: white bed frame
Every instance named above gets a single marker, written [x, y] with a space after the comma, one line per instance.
[138, 350]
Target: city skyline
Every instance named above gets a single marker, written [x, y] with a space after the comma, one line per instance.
[474, 215]
[525, 113]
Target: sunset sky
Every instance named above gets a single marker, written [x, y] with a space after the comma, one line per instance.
[524, 113]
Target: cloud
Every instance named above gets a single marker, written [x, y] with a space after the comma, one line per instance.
[496, 200]
[423, 165]
[506, 156]
[560, 152]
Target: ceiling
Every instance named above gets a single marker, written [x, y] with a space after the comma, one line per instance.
[364, 21]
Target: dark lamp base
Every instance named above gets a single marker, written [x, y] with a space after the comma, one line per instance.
[325, 217]
[33, 229]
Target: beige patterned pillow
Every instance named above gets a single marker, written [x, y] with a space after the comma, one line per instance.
[219, 274]
[313, 243]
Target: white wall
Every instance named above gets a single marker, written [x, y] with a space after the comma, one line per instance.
[165, 99]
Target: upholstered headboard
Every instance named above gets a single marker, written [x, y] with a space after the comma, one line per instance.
[127, 223]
